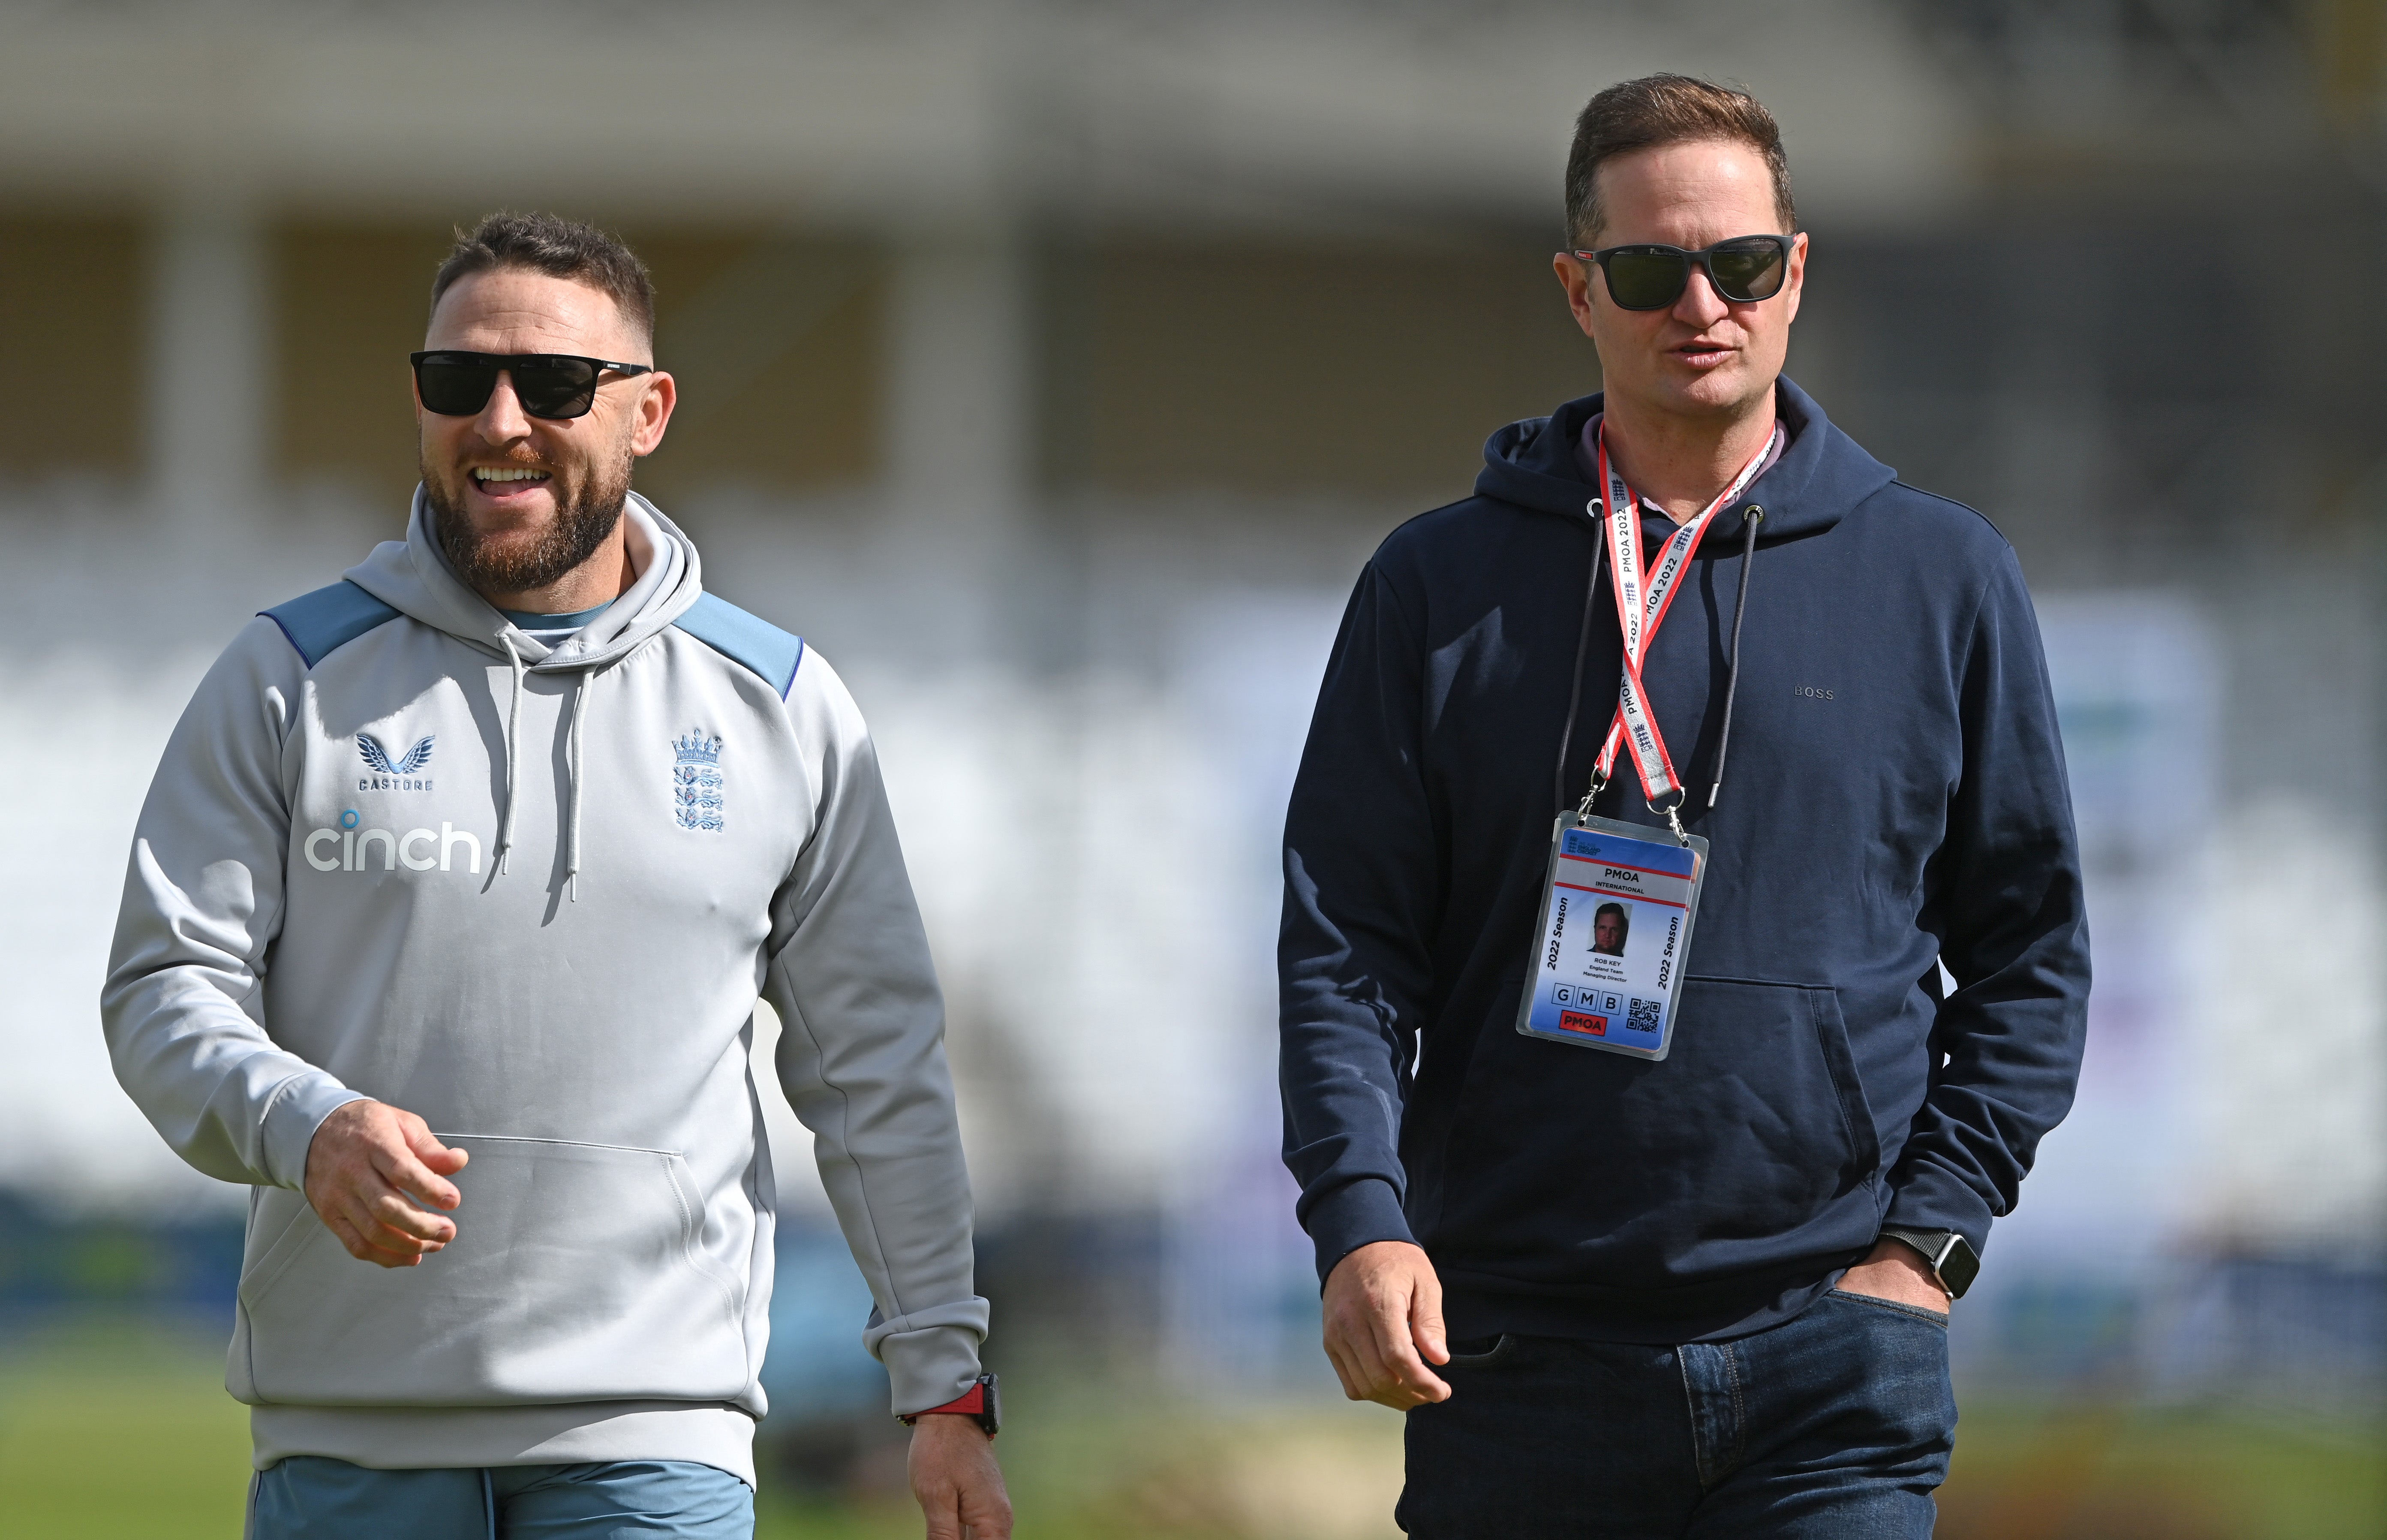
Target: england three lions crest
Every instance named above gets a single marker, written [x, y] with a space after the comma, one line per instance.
[696, 781]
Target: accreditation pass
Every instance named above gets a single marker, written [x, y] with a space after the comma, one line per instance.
[1616, 927]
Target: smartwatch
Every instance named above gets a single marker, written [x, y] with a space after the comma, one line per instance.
[981, 1404]
[1951, 1256]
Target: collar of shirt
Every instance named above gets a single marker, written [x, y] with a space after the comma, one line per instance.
[551, 629]
[1587, 459]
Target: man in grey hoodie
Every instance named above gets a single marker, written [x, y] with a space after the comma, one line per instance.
[502, 836]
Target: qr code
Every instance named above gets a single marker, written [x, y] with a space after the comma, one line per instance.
[1644, 1017]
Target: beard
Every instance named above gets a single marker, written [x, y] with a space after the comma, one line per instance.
[587, 509]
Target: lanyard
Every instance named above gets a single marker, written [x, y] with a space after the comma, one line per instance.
[1642, 601]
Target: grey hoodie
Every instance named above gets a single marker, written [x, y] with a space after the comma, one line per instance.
[399, 849]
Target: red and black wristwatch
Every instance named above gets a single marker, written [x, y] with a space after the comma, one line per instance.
[981, 1404]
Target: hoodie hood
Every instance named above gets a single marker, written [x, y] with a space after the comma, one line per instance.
[412, 577]
[1821, 475]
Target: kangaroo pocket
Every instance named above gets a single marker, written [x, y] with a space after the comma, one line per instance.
[1749, 1146]
[574, 1276]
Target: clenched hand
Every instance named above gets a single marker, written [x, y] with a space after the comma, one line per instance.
[1384, 1325]
[372, 1174]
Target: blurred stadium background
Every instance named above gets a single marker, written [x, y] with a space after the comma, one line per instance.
[1052, 365]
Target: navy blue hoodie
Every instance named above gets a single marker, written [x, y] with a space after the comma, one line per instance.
[1896, 799]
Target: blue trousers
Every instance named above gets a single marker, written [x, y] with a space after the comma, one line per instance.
[308, 1497]
[1835, 1425]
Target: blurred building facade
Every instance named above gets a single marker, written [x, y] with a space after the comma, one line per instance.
[1053, 366]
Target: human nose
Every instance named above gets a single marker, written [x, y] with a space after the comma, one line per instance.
[1699, 305]
[502, 419]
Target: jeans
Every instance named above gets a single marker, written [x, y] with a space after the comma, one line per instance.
[309, 1497]
[1837, 1423]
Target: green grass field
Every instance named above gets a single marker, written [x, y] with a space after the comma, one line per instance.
[123, 1429]
[119, 1432]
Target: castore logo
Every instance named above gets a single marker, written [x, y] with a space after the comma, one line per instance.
[394, 773]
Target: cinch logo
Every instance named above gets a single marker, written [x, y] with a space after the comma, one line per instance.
[409, 849]
[396, 773]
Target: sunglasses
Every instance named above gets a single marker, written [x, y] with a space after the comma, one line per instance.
[548, 385]
[1652, 277]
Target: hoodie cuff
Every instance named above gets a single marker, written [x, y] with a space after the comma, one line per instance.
[1928, 1198]
[295, 1110]
[932, 1357]
[1357, 1214]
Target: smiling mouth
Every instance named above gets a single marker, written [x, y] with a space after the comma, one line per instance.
[487, 477]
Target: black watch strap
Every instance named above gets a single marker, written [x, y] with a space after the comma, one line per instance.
[1951, 1256]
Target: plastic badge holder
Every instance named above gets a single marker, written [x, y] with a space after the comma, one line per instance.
[1617, 908]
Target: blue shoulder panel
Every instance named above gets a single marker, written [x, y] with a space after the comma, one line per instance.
[319, 623]
[758, 644]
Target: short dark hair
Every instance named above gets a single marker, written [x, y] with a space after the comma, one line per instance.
[1605, 909]
[561, 249]
[1666, 109]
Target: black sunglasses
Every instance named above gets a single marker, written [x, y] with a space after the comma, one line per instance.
[456, 384]
[1650, 277]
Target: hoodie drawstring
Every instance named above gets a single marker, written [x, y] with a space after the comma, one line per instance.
[513, 740]
[573, 760]
[579, 704]
[1582, 645]
[1750, 517]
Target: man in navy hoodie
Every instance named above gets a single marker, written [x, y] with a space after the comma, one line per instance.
[1702, 1295]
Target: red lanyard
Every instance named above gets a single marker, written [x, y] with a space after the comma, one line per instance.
[1641, 604]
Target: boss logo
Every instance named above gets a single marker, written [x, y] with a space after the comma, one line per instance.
[1812, 693]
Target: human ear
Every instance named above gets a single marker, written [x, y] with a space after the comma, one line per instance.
[1574, 276]
[652, 414]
